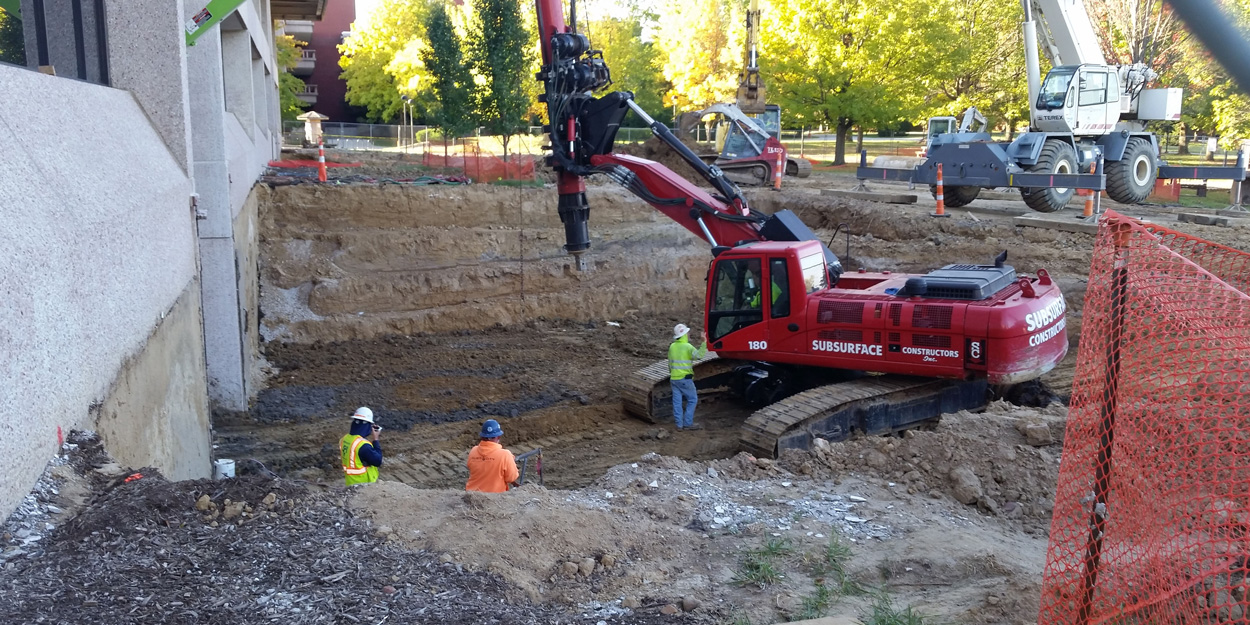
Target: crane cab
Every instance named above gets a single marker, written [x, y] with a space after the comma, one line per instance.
[1083, 100]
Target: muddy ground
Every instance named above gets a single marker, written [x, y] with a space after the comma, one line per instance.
[634, 520]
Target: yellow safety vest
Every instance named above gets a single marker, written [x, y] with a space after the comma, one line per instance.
[354, 471]
[681, 357]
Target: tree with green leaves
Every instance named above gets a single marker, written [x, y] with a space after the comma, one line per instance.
[12, 41]
[289, 85]
[452, 81]
[980, 62]
[500, 47]
[636, 65]
[849, 62]
[382, 61]
[702, 44]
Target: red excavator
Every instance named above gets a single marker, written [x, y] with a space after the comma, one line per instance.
[823, 354]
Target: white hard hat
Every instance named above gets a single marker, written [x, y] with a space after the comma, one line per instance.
[363, 414]
[679, 331]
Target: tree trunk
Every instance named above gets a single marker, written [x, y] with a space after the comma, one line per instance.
[1011, 130]
[839, 152]
[859, 140]
[1182, 138]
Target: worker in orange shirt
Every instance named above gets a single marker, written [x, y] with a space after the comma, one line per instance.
[492, 469]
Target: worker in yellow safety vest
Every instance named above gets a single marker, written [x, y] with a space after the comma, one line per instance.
[360, 450]
[755, 299]
[681, 357]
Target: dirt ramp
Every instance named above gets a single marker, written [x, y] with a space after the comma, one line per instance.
[361, 261]
[554, 546]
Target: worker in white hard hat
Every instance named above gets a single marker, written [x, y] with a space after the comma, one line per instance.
[681, 357]
[360, 449]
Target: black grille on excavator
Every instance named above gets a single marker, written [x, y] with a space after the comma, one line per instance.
[961, 282]
[937, 317]
[840, 312]
[930, 340]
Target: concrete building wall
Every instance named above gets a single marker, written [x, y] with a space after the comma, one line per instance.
[236, 134]
[99, 275]
[148, 57]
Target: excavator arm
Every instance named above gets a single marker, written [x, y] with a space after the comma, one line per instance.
[582, 130]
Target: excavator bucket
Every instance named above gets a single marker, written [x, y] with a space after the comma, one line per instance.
[751, 98]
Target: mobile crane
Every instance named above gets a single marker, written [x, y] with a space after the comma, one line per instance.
[1084, 113]
[823, 354]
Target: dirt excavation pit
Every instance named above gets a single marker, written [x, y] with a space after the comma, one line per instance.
[442, 307]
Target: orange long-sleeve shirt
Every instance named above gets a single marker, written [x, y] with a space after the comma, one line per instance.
[491, 468]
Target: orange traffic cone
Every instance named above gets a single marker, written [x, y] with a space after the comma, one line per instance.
[321, 161]
[778, 170]
[941, 198]
[1088, 213]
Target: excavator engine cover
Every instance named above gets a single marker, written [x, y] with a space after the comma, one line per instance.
[962, 282]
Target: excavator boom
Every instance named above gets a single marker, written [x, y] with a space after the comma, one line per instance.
[751, 93]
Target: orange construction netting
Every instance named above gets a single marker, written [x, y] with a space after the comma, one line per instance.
[1152, 511]
[484, 167]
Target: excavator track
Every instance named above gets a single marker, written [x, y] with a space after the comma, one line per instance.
[646, 393]
[870, 405]
[798, 167]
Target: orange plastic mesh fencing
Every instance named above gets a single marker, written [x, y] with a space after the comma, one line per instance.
[484, 167]
[1152, 511]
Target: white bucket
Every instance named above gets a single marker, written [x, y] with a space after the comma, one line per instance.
[223, 469]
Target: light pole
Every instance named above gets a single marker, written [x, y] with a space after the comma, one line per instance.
[405, 115]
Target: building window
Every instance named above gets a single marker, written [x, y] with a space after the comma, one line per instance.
[61, 37]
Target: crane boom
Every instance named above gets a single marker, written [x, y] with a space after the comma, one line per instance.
[1070, 35]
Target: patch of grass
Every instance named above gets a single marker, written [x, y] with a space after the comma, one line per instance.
[741, 619]
[882, 611]
[538, 184]
[776, 548]
[832, 564]
[817, 604]
[759, 566]
[757, 570]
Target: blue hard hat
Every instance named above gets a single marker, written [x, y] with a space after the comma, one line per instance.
[491, 429]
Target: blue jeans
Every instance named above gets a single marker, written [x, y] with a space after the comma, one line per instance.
[684, 389]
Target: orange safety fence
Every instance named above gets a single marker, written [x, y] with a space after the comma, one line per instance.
[1152, 511]
[484, 167]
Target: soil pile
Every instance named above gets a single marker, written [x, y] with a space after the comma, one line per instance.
[654, 149]
[555, 546]
[246, 550]
[1004, 461]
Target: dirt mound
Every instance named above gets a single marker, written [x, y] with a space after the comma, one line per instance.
[555, 546]
[247, 550]
[1004, 461]
[654, 149]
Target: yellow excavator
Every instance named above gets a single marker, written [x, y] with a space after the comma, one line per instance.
[751, 94]
[749, 130]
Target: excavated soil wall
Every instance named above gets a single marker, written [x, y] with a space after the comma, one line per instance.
[361, 261]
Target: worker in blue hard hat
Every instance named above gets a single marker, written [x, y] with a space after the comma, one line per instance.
[492, 469]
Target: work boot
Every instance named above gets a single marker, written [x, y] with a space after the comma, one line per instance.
[694, 426]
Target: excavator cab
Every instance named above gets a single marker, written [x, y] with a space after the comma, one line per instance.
[757, 291]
